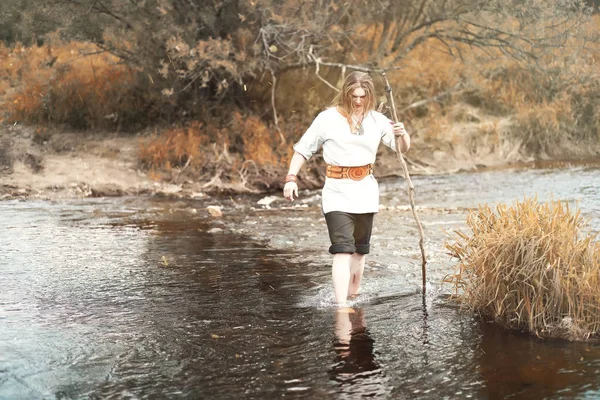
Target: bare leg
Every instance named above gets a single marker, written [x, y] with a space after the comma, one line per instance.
[357, 267]
[341, 277]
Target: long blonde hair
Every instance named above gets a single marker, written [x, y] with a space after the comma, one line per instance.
[355, 80]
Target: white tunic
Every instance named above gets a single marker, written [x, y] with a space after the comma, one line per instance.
[341, 147]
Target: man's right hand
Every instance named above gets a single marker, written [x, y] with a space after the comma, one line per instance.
[290, 190]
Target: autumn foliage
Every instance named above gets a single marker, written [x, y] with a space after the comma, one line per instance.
[175, 147]
[210, 84]
[227, 151]
[70, 83]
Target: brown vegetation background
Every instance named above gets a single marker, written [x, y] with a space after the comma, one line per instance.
[222, 89]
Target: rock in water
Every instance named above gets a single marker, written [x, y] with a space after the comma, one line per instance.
[215, 211]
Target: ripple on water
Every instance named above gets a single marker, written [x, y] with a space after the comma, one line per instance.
[120, 298]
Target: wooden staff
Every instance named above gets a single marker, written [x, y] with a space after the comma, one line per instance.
[411, 188]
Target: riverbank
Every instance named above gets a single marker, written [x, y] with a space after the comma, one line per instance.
[73, 165]
[67, 165]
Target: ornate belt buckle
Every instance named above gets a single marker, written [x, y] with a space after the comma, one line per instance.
[357, 173]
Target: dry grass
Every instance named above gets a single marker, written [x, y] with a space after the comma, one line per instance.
[175, 147]
[248, 146]
[68, 83]
[261, 143]
[530, 267]
[543, 127]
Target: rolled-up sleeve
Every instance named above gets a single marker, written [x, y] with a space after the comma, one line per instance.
[312, 140]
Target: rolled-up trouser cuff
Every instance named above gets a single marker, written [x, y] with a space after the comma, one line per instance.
[363, 248]
[338, 248]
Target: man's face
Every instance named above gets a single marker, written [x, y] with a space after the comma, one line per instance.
[358, 99]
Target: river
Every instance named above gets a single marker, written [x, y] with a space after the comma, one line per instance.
[154, 298]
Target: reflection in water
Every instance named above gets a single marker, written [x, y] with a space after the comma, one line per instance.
[355, 369]
[515, 364]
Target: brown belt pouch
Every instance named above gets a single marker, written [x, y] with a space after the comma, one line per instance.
[354, 173]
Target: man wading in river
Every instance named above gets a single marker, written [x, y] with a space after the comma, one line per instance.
[350, 132]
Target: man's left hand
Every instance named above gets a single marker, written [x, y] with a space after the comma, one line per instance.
[399, 130]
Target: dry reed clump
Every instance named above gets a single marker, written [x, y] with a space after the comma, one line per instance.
[531, 267]
[261, 144]
[175, 147]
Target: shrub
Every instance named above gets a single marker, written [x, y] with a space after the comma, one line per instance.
[531, 267]
[543, 127]
[70, 83]
[174, 148]
[260, 142]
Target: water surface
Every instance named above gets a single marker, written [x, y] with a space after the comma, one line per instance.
[134, 298]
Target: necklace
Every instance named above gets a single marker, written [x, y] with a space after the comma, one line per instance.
[359, 128]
